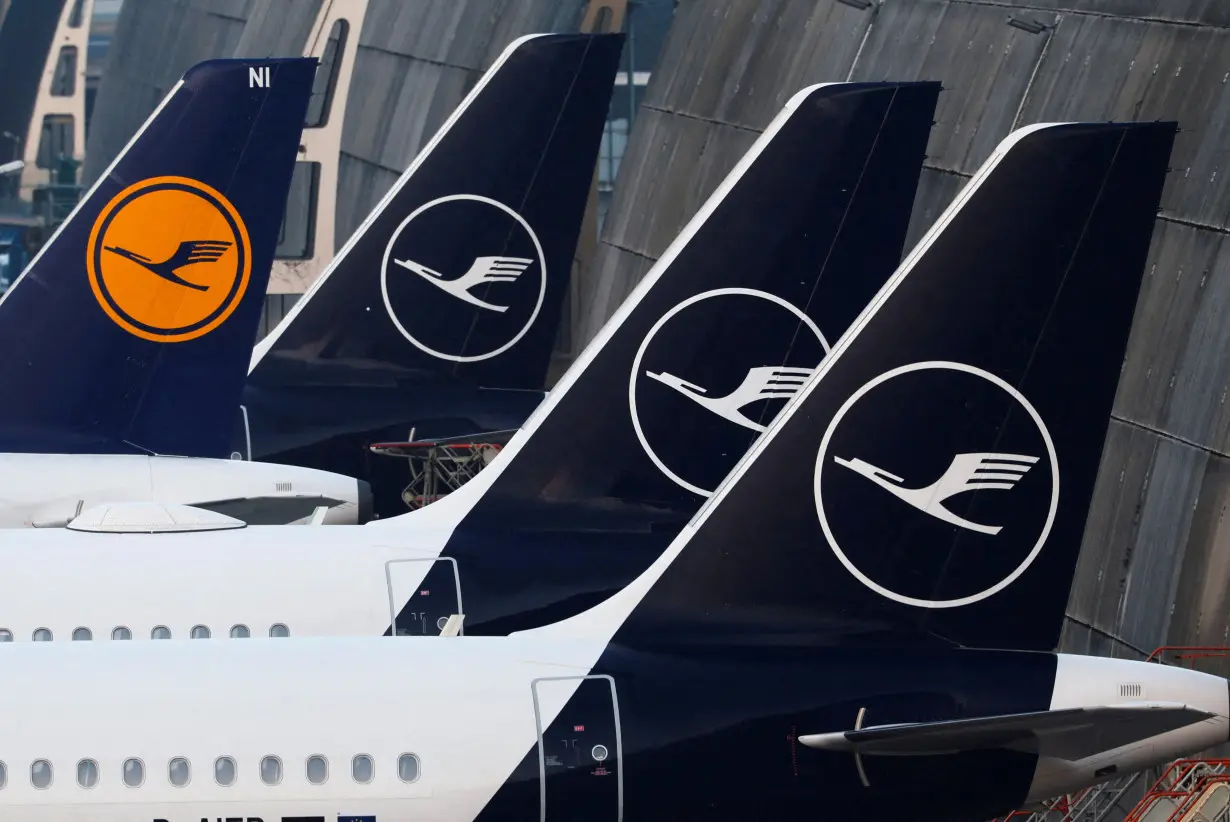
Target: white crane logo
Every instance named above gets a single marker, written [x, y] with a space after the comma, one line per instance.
[1009, 549]
[968, 472]
[484, 271]
[768, 382]
[500, 285]
[761, 382]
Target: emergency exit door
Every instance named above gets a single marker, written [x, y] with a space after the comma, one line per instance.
[423, 594]
[580, 751]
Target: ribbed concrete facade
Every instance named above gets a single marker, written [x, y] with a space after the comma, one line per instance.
[1155, 564]
[416, 60]
[155, 42]
[415, 63]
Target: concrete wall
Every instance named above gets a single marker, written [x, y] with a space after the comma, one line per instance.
[155, 42]
[1154, 566]
[415, 63]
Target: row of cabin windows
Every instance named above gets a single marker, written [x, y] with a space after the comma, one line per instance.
[226, 771]
[277, 630]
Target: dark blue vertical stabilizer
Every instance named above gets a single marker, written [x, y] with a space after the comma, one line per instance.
[933, 480]
[738, 311]
[721, 333]
[132, 328]
[459, 273]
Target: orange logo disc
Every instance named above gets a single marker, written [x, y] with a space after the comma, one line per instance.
[169, 259]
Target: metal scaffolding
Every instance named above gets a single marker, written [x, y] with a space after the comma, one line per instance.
[438, 468]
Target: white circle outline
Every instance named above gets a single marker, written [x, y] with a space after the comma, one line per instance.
[665, 318]
[542, 277]
[1050, 450]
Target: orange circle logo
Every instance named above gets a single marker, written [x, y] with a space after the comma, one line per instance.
[169, 259]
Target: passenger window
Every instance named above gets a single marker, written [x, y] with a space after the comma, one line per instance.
[4, 775]
[82, 635]
[361, 769]
[42, 635]
[408, 768]
[279, 630]
[224, 771]
[317, 769]
[200, 632]
[87, 773]
[271, 770]
[179, 772]
[134, 773]
[240, 632]
[121, 633]
[6, 635]
[160, 632]
[40, 774]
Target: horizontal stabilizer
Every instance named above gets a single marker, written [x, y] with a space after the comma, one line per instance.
[1070, 734]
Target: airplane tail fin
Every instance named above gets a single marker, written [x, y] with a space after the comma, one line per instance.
[710, 345]
[130, 329]
[735, 315]
[983, 375]
[460, 271]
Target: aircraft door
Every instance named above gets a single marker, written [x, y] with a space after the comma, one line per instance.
[423, 594]
[580, 752]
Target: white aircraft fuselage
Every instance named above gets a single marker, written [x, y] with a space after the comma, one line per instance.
[503, 727]
[315, 581]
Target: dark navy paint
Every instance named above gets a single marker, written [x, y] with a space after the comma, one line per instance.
[1035, 280]
[755, 634]
[711, 734]
[75, 381]
[342, 376]
[817, 220]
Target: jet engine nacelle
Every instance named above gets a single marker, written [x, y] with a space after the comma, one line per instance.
[50, 490]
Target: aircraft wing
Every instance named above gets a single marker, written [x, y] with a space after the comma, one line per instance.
[1069, 734]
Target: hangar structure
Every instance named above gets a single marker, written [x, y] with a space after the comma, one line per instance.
[1155, 562]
